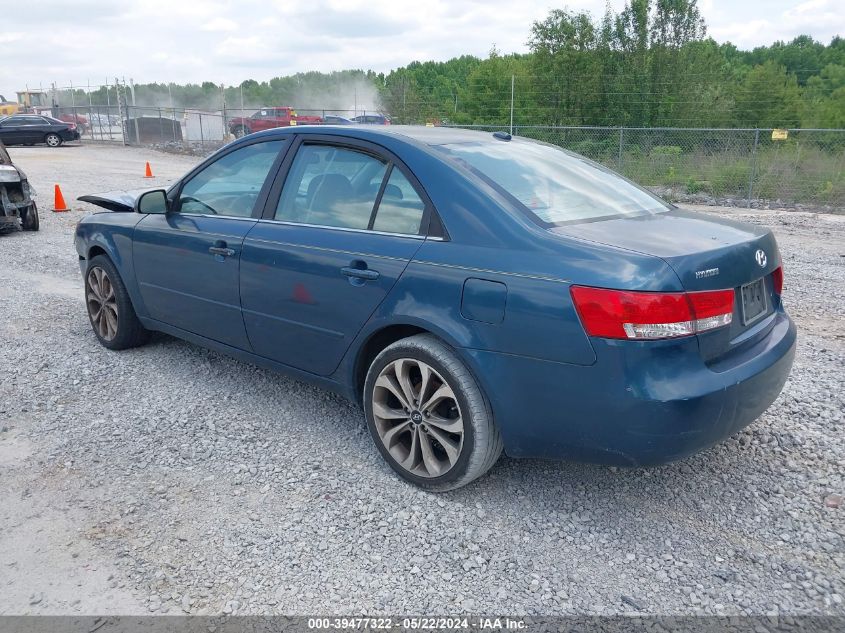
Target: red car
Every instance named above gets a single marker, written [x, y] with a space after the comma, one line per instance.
[80, 121]
[267, 118]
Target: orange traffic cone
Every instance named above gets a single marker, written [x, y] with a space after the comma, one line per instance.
[59, 203]
[148, 173]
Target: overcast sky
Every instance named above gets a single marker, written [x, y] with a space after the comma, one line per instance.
[45, 41]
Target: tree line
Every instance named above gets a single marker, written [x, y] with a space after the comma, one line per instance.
[649, 65]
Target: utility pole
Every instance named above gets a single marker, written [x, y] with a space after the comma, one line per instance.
[512, 83]
[223, 96]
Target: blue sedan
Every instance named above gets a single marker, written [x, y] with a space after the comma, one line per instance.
[476, 293]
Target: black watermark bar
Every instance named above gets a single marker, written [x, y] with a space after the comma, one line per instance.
[409, 624]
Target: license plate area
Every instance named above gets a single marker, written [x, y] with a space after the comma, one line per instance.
[754, 304]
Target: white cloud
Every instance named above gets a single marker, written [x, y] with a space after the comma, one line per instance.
[758, 24]
[223, 42]
[220, 24]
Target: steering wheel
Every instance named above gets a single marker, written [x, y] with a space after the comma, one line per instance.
[192, 199]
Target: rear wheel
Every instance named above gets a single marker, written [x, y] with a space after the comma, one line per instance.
[110, 310]
[53, 140]
[240, 131]
[29, 218]
[428, 416]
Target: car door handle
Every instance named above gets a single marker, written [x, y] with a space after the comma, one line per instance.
[220, 248]
[359, 273]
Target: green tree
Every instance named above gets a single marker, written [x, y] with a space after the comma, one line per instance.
[768, 97]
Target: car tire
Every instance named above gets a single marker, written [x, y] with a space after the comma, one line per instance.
[437, 443]
[109, 307]
[240, 131]
[29, 218]
[53, 140]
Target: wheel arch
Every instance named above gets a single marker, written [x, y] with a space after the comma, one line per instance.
[372, 347]
[95, 250]
[379, 337]
[115, 244]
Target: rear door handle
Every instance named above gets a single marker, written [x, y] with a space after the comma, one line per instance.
[220, 248]
[359, 273]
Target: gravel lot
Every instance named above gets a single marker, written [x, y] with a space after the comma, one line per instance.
[170, 479]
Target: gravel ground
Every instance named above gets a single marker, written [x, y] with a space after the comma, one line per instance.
[170, 479]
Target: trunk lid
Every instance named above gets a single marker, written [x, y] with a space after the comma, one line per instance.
[706, 253]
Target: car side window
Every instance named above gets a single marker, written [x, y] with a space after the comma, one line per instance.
[230, 185]
[401, 209]
[331, 186]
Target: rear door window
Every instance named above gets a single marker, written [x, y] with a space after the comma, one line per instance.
[331, 186]
[400, 210]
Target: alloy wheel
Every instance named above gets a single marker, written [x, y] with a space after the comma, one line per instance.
[53, 140]
[418, 418]
[102, 303]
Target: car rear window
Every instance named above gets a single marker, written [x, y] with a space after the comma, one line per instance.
[554, 186]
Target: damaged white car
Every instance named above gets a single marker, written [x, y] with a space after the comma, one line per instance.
[17, 208]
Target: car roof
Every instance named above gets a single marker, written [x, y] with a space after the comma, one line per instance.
[423, 134]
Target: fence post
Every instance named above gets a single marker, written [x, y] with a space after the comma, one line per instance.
[121, 110]
[513, 77]
[202, 135]
[753, 172]
[619, 160]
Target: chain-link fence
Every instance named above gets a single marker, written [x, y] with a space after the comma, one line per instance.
[185, 128]
[753, 167]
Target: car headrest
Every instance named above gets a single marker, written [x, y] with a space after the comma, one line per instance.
[393, 191]
[325, 190]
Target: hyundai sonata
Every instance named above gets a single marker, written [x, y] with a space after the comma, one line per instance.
[474, 292]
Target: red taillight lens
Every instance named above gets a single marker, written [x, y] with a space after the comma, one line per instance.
[629, 314]
[777, 280]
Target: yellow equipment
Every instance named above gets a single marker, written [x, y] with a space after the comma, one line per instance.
[7, 107]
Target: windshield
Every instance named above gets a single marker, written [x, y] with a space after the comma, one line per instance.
[555, 186]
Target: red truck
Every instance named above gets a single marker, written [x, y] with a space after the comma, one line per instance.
[267, 118]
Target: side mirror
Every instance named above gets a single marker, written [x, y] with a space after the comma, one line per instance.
[154, 201]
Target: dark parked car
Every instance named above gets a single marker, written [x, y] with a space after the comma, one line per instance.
[331, 119]
[372, 119]
[472, 291]
[29, 129]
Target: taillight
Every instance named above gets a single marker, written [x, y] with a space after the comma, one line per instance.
[777, 280]
[629, 314]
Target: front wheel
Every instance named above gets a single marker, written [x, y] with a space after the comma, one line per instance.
[29, 218]
[240, 131]
[428, 416]
[53, 140]
[110, 310]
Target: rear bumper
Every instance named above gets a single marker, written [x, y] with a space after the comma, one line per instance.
[640, 404]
